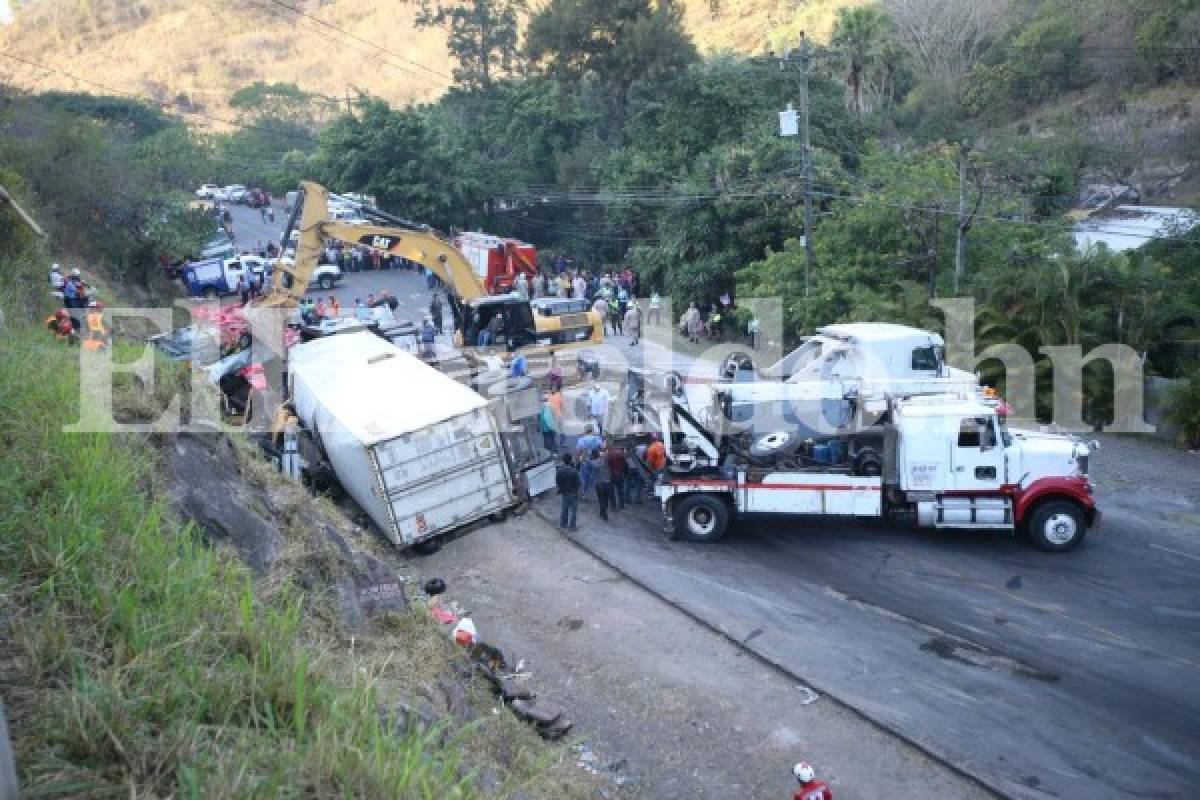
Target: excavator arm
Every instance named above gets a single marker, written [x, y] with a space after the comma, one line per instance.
[425, 247]
[421, 246]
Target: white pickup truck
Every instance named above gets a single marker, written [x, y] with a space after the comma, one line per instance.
[941, 460]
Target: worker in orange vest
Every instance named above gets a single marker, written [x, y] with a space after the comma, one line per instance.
[335, 308]
[95, 334]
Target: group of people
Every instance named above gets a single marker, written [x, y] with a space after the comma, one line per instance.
[79, 311]
[697, 325]
[359, 258]
[618, 478]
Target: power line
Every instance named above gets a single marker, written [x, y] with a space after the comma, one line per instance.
[667, 198]
[378, 47]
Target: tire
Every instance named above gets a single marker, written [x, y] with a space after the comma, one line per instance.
[428, 547]
[701, 518]
[1056, 526]
[244, 341]
[776, 444]
[211, 293]
[734, 363]
[325, 282]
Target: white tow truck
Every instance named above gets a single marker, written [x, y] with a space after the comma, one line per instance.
[930, 458]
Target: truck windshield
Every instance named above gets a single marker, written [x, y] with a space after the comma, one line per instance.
[927, 359]
[801, 357]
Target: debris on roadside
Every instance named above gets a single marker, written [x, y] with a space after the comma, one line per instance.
[464, 632]
[440, 614]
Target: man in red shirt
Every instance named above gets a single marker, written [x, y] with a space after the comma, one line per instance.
[615, 457]
[810, 787]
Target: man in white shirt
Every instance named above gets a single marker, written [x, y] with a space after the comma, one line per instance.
[598, 407]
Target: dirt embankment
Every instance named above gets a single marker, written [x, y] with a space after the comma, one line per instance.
[365, 613]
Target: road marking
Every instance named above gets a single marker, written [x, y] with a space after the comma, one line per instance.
[1176, 552]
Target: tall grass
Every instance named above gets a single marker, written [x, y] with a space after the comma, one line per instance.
[147, 664]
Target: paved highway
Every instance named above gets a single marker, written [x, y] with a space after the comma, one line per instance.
[1071, 675]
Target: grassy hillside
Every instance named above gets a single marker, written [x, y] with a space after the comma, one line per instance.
[193, 55]
[138, 661]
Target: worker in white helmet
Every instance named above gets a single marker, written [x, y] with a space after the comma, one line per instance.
[56, 278]
[810, 787]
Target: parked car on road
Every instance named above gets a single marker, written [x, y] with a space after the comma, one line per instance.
[237, 193]
[257, 198]
[207, 190]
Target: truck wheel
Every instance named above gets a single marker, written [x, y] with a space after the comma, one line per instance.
[325, 282]
[244, 341]
[1056, 526]
[773, 445]
[701, 518]
[210, 292]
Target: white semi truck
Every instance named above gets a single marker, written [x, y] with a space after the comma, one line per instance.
[930, 458]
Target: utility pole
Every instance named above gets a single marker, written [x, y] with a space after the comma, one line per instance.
[789, 127]
[964, 222]
[807, 163]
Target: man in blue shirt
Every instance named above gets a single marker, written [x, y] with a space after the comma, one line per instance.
[583, 449]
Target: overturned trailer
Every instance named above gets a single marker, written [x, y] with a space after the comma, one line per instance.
[419, 452]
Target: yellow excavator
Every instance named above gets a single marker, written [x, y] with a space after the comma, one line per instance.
[473, 309]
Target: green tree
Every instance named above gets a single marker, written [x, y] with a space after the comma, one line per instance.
[482, 36]
[858, 34]
[613, 44]
[283, 101]
[398, 157]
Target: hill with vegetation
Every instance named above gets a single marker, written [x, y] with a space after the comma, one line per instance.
[191, 56]
[950, 139]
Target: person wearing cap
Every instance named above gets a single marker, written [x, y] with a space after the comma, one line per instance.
[57, 281]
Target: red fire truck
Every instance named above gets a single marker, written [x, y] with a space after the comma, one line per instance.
[498, 261]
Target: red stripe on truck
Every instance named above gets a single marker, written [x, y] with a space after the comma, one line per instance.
[832, 487]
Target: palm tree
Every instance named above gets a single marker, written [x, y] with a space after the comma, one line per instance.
[858, 34]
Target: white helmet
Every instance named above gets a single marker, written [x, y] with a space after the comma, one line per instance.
[54, 267]
[75, 272]
[803, 772]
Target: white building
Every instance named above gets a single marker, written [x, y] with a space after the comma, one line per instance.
[1129, 227]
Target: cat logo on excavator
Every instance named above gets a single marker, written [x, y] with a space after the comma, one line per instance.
[380, 242]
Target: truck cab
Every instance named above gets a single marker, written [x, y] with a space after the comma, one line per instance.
[520, 329]
[218, 276]
[958, 465]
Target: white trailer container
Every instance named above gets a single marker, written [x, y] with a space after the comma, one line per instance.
[418, 451]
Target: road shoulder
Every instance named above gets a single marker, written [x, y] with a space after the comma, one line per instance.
[674, 709]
